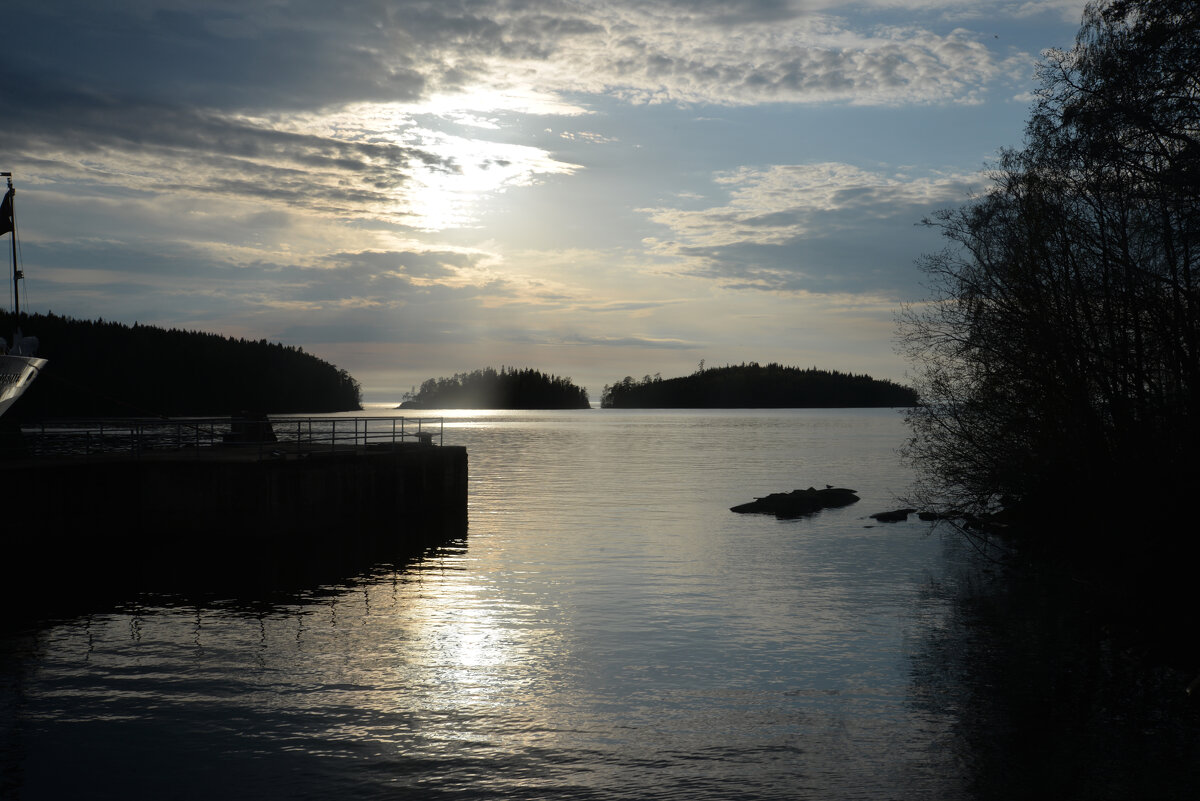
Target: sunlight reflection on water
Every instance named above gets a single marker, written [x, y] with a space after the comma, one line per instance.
[608, 630]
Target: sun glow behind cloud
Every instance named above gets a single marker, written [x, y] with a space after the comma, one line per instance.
[465, 106]
[478, 168]
[452, 197]
[460, 168]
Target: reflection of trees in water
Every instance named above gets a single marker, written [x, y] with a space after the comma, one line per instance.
[1051, 702]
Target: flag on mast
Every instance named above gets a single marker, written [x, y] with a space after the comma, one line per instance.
[6, 213]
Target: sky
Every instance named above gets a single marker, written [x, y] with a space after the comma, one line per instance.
[593, 188]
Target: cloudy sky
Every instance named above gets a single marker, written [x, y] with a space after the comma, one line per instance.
[594, 188]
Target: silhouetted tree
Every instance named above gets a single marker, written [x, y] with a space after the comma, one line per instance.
[1058, 355]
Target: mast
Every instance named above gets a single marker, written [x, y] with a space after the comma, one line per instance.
[11, 197]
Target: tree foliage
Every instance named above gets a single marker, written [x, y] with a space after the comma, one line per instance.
[508, 388]
[1059, 355]
[105, 368]
[750, 386]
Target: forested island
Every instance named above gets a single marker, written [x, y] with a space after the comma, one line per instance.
[751, 386]
[506, 388]
[105, 368]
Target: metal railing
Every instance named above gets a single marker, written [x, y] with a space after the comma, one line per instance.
[273, 436]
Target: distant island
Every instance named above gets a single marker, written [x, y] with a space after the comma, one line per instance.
[750, 386]
[507, 388]
[111, 369]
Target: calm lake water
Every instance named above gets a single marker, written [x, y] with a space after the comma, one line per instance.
[607, 630]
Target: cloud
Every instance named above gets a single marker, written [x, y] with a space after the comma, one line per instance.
[297, 55]
[229, 56]
[826, 227]
[811, 62]
[355, 108]
[167, 148]
[1068, 10]
[419, 264]
[654, 343]
[298, 104]
[624, 306]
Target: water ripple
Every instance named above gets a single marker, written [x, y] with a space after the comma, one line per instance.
[609, 631]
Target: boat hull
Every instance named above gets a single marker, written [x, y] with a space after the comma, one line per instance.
[16, 374]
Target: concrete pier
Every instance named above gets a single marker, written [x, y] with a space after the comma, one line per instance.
[225, 516]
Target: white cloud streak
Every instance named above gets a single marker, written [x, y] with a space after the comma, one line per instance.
[800, 227]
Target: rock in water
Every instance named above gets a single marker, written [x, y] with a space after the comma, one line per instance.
[894, 516]
[798, 503]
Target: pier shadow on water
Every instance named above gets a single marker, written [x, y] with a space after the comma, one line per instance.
[1050, 699]
[95, 574]
[92, 529]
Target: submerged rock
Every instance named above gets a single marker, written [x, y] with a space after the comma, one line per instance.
[798, 503]
[894, 516]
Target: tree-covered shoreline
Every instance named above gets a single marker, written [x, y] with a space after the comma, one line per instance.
[506, 388]
[101, 368]
[1060, 355]
[1058, 359]
[751, 386]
